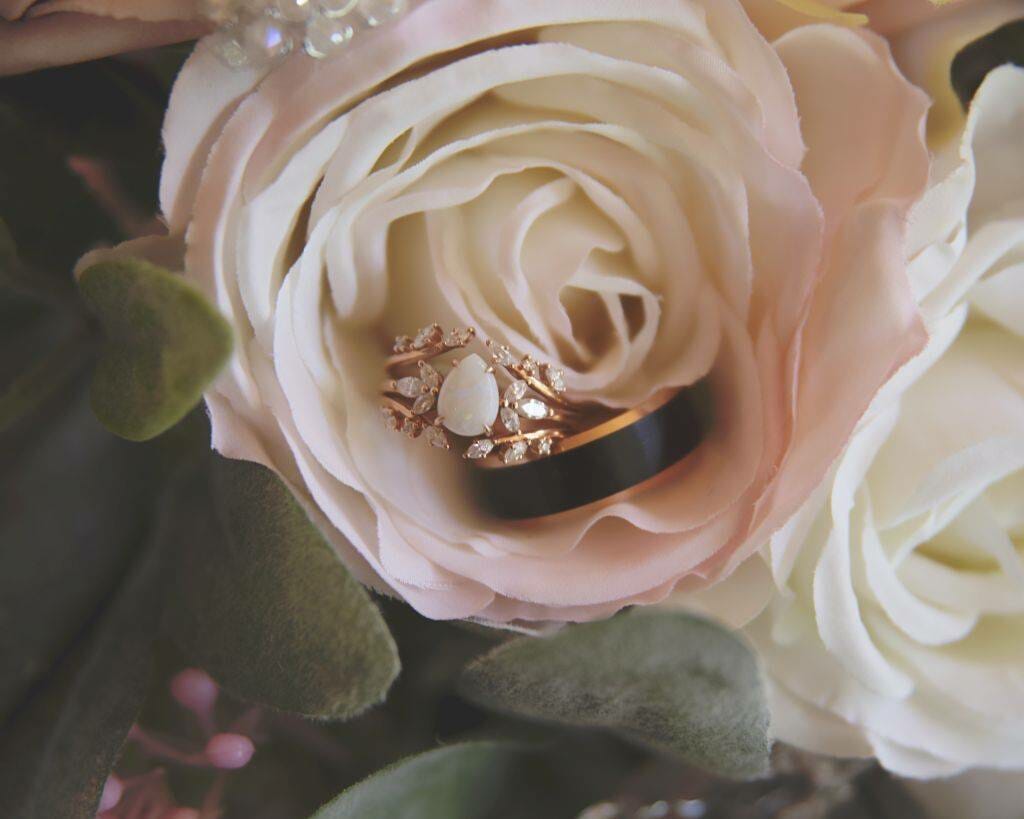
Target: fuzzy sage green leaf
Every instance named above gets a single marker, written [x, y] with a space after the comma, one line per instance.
[467, 781]
[264, 604]
[57, 750]
[667, 679]
[163, 344]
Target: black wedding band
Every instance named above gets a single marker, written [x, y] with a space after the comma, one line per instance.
[599, 468]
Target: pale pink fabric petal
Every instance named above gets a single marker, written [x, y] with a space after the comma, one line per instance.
[153, 11]
[13, 9]
[864, 301]
[61, 39]
[204, 96]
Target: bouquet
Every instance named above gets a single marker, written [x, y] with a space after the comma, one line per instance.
[511, 408]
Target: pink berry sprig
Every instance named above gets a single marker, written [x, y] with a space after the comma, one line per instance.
[224, 749]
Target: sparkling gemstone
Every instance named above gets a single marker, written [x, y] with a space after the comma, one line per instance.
[514, 452]
[410, 387]
[555, 378]
[542, 446]
[533, 409]
[266, 39]
[426, 337]
[390, 418]
[468, 401]
[458, 337]
[436, 437]
[431, 377]
[510, 419]
[529, 366]
[337, 8]
[294, 11]
[412, 427]
[229, 47]
[425, 403]
[515, 391]
[324, 36]
[402, 343]
[502, 355]
[378, 12]
[480, 449]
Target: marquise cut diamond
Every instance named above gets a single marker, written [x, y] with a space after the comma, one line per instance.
[502, 355]
[436, 437]
[410, 387]
[425, 403]
[480, 449]
[458, 337]
[555, 378]
[426, 336]
[510, 420]
[533, 409]
[515, 452]
[431, 377]
[515, 391]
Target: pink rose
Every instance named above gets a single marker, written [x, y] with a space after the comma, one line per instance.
[648, 194]
[40, 33]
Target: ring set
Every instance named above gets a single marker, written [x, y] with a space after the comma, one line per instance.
[535, 453]
[524, 417]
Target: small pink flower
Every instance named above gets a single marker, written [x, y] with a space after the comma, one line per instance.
[229, 751]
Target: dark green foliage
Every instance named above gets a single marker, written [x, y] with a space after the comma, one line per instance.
[668, 679]
[468, 781]
[266, 607]
[163, 344]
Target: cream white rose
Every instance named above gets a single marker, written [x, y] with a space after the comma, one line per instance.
[898, 628]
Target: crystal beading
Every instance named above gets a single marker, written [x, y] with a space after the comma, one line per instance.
[260, 32]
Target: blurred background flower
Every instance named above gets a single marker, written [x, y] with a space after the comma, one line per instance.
[39, 33]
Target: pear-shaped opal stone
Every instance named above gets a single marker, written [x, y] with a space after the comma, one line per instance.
[468, 401]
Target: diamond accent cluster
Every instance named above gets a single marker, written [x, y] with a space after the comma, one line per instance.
[524, 418]
[258, 32]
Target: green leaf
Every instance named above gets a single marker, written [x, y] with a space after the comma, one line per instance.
[266, 607]
[41, 378]
[164, 344]
[667, 679]
[8, 255]
[467, 781]
[58, 749]
[76, 502]
[33, 363]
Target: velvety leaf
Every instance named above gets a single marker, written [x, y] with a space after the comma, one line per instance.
[40, 378]
[468, 781]
[163, 344]
[8, 254]
[972, 64]
[266, 607]
[59, 747]
[668, 679]
[74, 503]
